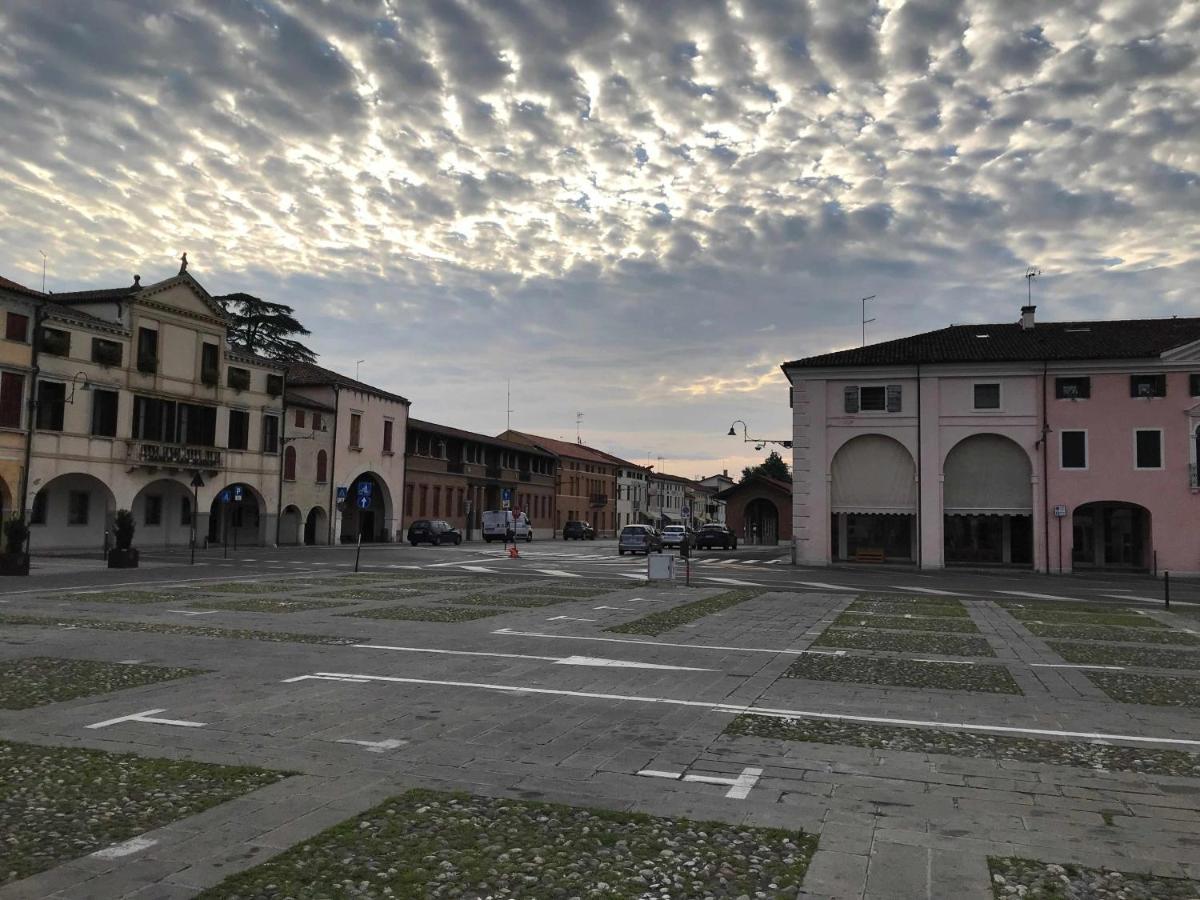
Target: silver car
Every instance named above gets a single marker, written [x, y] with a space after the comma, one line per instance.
[674, 535]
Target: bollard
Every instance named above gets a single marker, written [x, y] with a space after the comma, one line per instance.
[1166, 590]
[358, 552]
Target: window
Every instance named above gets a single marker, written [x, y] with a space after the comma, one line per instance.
[78, 503]
[147, 350]
[239, 429]
[408, 499]
[274, 385]
[356, 432]
[104, 413]
[56, 342]
[270, 434]
[299, 418]
[322, 467]
[1147, 385]
[106, 353]
[387, 435]
[289, 464]
[1073, 446]
[1073, 388]
[195, 425]
[437, 500]
[185, 511]
[1147, 446]
[316, 421]
[874, 398]
[152, 512]
[210, 363]
[51, 402]
[1194, 385]
[12, 396]
[37, 515]
[424, 492]
[16, 328]
[238, 379]
[987, 396]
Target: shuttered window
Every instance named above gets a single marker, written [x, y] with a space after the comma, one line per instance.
[852, 399]
[12, 394]
[874, 398]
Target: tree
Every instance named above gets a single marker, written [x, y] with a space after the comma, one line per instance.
[260, 326]
[772, 467]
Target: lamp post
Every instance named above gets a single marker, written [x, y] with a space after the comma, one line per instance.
[758, 442]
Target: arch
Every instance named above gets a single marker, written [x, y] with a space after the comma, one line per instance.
[1111, 534]
[316, 527]
[238, 522]
[372, 522]
[761, 522]
[322, 467]
[873, 500]
[987, 502]
[162, 511]
[6, 502]
[290, 525]
[289, 464]
[72, 511]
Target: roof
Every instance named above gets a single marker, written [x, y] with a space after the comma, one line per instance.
[784, 487]
[475, 436]
[293, 399]
[50, 306]
[1053, 341]
[10, 285]
[98, 295]
[564, 448]
[304, 374]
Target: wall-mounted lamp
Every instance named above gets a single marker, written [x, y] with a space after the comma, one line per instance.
[758, 443]
[87, 385]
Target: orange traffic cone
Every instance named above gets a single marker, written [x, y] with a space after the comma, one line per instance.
[512, 552]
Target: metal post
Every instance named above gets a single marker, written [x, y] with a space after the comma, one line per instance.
[1166, 590]
[1060, 559]
[195, 512]
[225, 531]
[358, 551]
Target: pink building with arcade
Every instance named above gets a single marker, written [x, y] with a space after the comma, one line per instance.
[1055, 446]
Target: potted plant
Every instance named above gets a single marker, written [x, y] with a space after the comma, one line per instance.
[15, 560]
[123, 556]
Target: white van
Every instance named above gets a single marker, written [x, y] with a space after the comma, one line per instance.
[499, 524]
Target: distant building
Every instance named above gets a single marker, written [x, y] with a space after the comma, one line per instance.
[587, 482]
[758, 510]
[18, 306]
[632, 486]
[718, 482]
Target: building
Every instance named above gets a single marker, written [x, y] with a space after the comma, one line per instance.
[139, 403]
[18, 307]
[702, 503]
[365, 454]
[633, 483]
[719, 482]
[758, 510]
[1058, 446]
[307, 487]
[587, 482]
[667, 498]
[455, 475]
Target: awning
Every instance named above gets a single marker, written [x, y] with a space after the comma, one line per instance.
[987, 475]
[874, 474]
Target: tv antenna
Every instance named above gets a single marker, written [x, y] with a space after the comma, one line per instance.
[43, 271]
[578, 426]
[865, 320]
[508, 406]
[1031, 273]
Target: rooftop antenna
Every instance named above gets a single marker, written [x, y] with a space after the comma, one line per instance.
[357, 364]
[578, 425]
[1031, 273]
[43, 271]
[865, 320]
[508, 407]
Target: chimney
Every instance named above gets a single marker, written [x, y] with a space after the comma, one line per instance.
[725, 472]
[1027, 317]
[137, 281]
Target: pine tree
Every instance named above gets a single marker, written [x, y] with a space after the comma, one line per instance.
[772, 467]
[266, 328]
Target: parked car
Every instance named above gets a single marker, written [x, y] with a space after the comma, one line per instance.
[675, 536]
[433, 531]
[714, 535]
[638, 539]
[579, 531]
[505, 525]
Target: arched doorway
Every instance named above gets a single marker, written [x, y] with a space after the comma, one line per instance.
[873, 500]
[367, 510]
[71, 512]
[289, 526]
[162, 512]
[6, 503]
[1111, 535]
[987, 502]
[316, 528]
[237, 516]
[761, 522]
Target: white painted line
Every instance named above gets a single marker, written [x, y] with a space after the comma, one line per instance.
[733, 581]
[601, 662]
[826, 586]
[322, 678]
[1134, 597]
[453, 652]
[766, 711]
[125, 848]
[193, 612]
[376, 746]
[570, 637]
[632, 575]
[1075, 666]
[1035, 596]
[483, 569]
[658, 773]
[609, 607]
[146, 716]
[560, 573]
[567, 619]
[924, 590]
[739, 787]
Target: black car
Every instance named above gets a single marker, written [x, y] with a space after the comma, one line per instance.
[433, 531]
[639, 539]
[579, 531]
[713, 535]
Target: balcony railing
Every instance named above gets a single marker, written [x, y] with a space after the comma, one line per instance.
[599, 500]
[494, 472]
[455, 466]
[178, 456]
[525, 476]
[1193, 476]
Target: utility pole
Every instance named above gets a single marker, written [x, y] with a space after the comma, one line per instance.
[865, 320]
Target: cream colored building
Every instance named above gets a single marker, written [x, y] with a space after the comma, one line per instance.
[307, 486]
[17, 305]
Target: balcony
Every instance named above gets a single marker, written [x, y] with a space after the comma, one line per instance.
[525, 475]
[599, 500]
[172, 456]
[493, 471]
[455, 466]
[1193, 476]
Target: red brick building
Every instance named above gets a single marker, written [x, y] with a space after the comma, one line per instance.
[759, 510]
[587, 482]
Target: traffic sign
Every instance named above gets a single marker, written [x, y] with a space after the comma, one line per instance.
[364, 502]
[225, 496]
[237, 493]
[1060, 512]
[506, 495]
[686, 512]
[341, 493]
[364, 488]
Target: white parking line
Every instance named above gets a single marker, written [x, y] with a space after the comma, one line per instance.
[560, 573]
[925, 590]
[739, 787]
[1035, 596]
[596, 661]
[508, 632]
[825, 586]
[146, 716]
[733, 581]
[376, 746]
[125, 848]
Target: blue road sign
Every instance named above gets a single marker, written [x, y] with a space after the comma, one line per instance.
[237, 492]
[506, 494]
[341, 493]
[364, 502]
[225, 496]
[364, 489]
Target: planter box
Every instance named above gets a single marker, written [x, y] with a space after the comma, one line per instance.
[123, 559]
[14, 563]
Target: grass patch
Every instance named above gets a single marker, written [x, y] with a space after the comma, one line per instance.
[657, 623]
[1121, 619]
[909, 608]
[1152, 690]
[517, 601]
[905, 623]
[921, 599]
[988, 679]
[1047, 881]
[35, 680]
[1113, 634]
[566, 590]
[426, 613]
[382, 592]
[186, 630]
[1118, 655]
[58, 803]
[423, 843]
[910, 642]
[128, 597]
[977, 745]
[254, 587]
[268, 605]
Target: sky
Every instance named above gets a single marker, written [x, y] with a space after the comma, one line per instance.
[631, 210]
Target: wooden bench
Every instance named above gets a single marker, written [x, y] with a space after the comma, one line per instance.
[871, 556]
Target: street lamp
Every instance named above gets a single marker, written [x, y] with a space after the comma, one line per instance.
[759, 443]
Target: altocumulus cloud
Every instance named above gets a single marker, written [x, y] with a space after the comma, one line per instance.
[633, 208]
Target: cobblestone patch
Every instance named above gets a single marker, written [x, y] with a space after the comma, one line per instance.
[59, 803]
[425, 844]
[189, 630]
[558, 589]
[905, 642]
[129, 597]
[268, 604]
[1152, 690]
[1113, 634]
[426, 613]
[514, 600]
[905, 622]
[991, 679]
[1121, 619]
[1032, 879]
[1118, 655]
[978, 745]
[902, 607]
[659, 622]
[35, 680]
[255, 587]
[382, 592]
